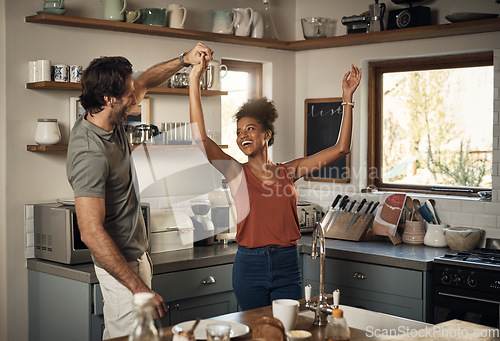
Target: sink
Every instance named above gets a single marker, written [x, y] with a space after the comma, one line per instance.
[363, 319]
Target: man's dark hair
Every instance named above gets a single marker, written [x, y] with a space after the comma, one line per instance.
[104, 76]
[263, 111]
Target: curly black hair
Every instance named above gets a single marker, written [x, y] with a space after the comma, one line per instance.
[263, 111]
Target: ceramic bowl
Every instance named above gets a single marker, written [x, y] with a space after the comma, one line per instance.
[462, 238]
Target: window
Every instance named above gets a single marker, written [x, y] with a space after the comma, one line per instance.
[242, 82]
[431, 124]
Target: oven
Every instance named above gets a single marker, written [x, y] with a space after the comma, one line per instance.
[467, 287]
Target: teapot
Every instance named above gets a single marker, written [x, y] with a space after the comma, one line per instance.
[243, 21]
[144, 133]
[113, 9]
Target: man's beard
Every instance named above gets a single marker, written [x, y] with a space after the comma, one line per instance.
[119, 115]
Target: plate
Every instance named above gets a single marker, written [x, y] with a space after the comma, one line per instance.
[68, 202]
[468, 16]
[237, 329]
[52, 11]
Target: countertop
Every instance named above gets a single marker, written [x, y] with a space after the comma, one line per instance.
[383, 252]
[449, 330]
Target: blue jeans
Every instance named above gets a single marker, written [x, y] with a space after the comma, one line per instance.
[264, 274]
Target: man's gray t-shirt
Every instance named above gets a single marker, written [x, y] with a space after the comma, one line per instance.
[98, 165]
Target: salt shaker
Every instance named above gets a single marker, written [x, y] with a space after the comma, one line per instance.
[47, 131]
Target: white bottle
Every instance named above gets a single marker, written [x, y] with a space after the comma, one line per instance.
[269, 28]
[143, 328]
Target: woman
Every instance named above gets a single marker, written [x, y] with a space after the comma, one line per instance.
[266, 266]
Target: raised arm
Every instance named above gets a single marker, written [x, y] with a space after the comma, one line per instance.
[303, 166]
[224, 163]
[160, 73]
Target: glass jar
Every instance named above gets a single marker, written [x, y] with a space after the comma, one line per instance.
[47, 131]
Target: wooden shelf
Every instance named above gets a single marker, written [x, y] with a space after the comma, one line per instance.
[432, 31]
[100, 24]
[56, 148]
[161, 91]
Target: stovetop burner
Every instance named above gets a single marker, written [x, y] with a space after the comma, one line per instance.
[480, 257]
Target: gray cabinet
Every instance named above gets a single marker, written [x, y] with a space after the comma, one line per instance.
[63, 309]
[203, 292]
[389, 290]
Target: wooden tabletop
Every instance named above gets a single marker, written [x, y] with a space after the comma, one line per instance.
[440, 332]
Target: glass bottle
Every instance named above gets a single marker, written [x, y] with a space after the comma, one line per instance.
[267, 16]
[337, 328]
[143, 328]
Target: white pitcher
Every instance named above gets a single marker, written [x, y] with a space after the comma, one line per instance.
[223, 22]
[113, 9]
[243, 21]
[176, 15]
[214, 70]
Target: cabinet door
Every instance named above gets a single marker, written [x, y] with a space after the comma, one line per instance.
[379, 288]
[203, 307]
[59, 308]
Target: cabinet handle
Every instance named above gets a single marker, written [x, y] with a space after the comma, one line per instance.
[359, 275]
[208, 280]
[176, 306]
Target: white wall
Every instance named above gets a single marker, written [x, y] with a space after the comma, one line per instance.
[3, 171]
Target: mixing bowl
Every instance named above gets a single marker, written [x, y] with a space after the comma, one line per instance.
[314, 27]
[462, 238]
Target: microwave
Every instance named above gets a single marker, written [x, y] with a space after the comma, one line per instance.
[57, 236]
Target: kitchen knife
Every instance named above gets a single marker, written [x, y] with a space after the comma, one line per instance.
[368, 209]
[372, 210]
[339, 211]
[356, 215]
[349, 210]
[326, 218]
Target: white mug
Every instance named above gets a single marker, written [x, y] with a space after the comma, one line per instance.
[32, 71]
[176, 15]
[287, 311]
[243, 21]
[75, 73]
[257, 26]
[60, 73]
[214, 69]
[43, 70]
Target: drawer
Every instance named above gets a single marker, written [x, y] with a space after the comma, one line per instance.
[377, 278]
[193, 283]
[203, 281]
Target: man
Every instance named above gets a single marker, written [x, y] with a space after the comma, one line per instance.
[99, 170]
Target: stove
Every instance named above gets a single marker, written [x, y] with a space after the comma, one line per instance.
[467, 286]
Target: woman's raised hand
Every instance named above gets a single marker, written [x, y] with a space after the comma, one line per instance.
[197, 71]
[350, 83]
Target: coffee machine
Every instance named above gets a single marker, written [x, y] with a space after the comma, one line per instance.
[376, 17]
[223, 214]
[204, 232]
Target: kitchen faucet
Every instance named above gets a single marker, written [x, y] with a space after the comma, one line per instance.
[321, 308]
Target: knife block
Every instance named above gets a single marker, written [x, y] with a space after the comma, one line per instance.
[355, 233]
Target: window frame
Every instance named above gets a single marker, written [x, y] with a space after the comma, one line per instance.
[376, 69]
[253, 69]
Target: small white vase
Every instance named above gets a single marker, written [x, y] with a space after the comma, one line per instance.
[435, 235]
[47, 131]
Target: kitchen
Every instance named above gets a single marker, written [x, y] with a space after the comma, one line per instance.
[36, 177]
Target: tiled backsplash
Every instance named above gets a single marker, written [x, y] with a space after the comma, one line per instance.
[452, 211]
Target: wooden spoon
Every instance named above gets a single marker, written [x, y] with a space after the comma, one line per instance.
[416, 205]
[409, 207]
